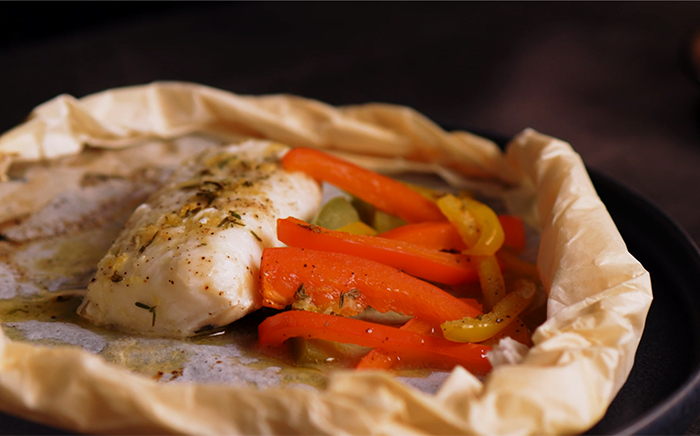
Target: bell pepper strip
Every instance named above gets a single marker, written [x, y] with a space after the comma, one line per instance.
[428, 264]
[358, 228]
[482, 328]
[443, 236]
[298, 323]
[477, 224]
[493, 285]
[517, 266]
[429, 193]
[382, 359]
[516, 330]
[514, 232]
[384, 193]
[345, 284]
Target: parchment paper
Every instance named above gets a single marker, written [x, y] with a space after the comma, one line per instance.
[599, 294]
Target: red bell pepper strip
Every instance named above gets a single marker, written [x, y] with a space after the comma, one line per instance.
[384, 193]
[329, 278]
[428, 264]
[298, 323]
[514, 230]
[383, 359]
[443, 236]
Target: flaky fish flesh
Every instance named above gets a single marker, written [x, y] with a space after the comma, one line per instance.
[187, 260]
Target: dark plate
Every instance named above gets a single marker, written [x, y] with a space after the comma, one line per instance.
[662, 394]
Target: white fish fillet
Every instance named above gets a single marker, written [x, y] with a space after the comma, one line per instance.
[187, 259]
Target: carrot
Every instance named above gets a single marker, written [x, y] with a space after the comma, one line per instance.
[382, 192]
[346, 284]
[429, 264]
[278, 328]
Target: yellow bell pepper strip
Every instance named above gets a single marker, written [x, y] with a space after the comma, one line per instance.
[345, 285]
[428, 264]
[429, 349]
[516, 330]
[384, 193]
[477, 223]
[493, 285]
[482, 328]
[358, 228]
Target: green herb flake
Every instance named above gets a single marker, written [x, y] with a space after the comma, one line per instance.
[256, 236]
[187, 211]
[151, 309]
[233, 219]
[143, 248]
[301, 294]
[353, 294]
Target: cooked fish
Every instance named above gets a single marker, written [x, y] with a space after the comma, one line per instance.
[188, 258]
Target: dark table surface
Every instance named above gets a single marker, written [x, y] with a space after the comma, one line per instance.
[606, 77]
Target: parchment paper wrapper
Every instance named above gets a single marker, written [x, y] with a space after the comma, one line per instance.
[599, 294]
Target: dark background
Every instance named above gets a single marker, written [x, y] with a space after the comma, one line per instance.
[607, 77]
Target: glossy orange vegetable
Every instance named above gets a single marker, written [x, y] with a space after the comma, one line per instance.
[383, 359]
[278, 328]
[384, 193]
[514, 230]
[433, 265]
[346, 284]
[443, 236]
